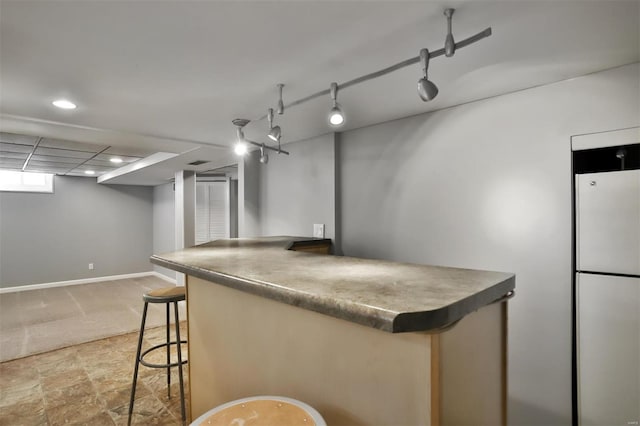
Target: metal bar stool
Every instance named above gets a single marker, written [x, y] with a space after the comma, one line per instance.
[167, 296]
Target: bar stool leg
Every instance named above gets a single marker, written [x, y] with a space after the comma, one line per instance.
[179, 345]
[135, 370]
[168, 354]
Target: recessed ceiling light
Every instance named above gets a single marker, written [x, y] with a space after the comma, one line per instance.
[116, 160]
[64, 104]
[89, 172]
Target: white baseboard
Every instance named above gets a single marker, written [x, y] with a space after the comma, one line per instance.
[86, 281]
[164, 277]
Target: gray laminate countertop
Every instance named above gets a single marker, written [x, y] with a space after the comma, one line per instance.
[390, 296]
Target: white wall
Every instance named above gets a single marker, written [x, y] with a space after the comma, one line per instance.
[298, 190]
[164, 224]
[488, 185]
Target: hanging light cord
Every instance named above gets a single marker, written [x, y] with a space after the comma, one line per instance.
[392, 68]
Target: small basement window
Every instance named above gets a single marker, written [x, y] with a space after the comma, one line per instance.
[25, 182]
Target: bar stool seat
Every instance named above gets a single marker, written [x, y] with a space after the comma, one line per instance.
[167, 296]
[262, 411]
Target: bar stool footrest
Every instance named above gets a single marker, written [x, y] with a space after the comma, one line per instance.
[153, 348]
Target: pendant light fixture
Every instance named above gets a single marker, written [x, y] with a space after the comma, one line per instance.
[426, 88]
[336, 116]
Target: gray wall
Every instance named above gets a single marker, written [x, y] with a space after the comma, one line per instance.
[164, 224]
[233, 207]
[484, 185]
[297, 190]
[53, 237]
[249, 196]
[488, 185]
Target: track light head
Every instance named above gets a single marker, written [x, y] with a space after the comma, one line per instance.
[275, 133]
[264, 158]
[336, 116]
[426, 88]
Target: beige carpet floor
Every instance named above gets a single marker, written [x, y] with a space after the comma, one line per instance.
[37, 321]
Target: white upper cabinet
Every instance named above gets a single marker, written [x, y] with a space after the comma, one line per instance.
[608, 222]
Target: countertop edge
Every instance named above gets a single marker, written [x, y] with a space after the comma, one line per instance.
[384, 320]
[431, 321]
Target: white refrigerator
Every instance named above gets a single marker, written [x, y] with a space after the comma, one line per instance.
[608, 297]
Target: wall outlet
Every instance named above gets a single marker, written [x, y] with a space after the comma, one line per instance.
[91, 266]
[318, 230]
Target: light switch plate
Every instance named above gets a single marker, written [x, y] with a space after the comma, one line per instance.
[318, 230]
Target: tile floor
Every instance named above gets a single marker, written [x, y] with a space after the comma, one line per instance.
[89, 384]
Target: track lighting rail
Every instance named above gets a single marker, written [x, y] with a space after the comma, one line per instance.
[265, 146]
[395, 67]
[427, 90]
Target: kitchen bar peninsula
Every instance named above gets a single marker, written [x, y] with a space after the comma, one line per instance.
[365, 342]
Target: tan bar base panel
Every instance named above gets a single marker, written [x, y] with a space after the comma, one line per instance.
[243, 345]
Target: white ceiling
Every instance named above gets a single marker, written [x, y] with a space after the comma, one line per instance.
[171, 75]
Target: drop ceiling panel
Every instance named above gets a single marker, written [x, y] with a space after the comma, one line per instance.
[64, 153]
[40, 164]
[11, 163]
[48, 169]
[70, 145]
[14, 155]
[62, 156]
[54, 159]
[14, 147]
[18, 139]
